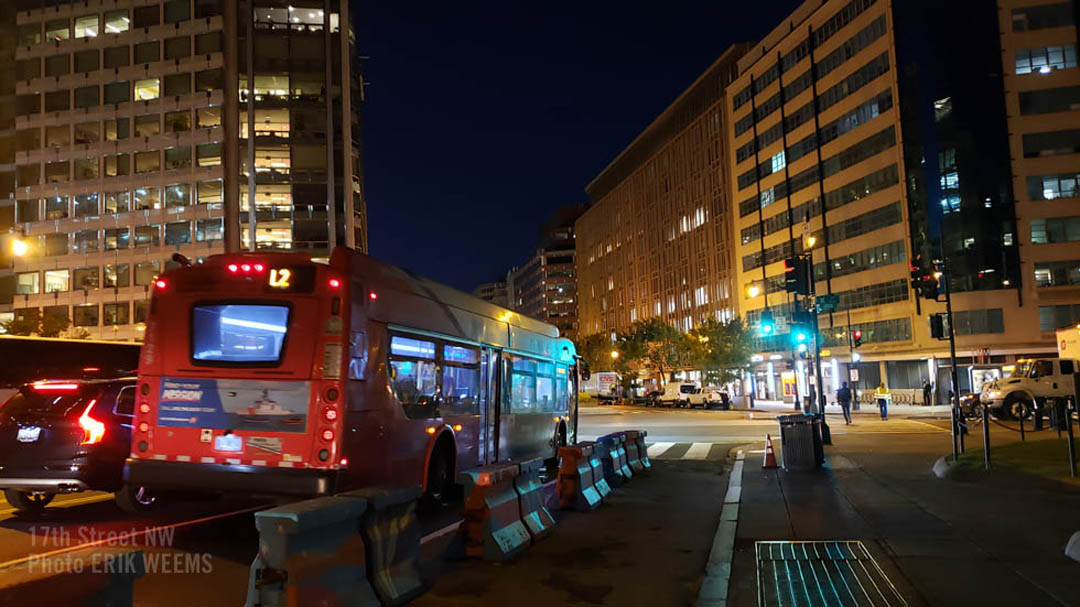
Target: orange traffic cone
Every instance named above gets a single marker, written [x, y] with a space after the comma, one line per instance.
[770, 456]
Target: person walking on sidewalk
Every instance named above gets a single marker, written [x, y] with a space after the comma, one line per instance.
[843, 398]
[927, 392]
[882, 396]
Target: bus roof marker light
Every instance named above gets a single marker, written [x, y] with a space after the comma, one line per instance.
[161, 283]
[232, 268]
[333, 283]
[245, 268]
[258, 268]
[373, 295]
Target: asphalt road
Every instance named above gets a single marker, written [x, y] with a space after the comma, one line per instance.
[221, 531]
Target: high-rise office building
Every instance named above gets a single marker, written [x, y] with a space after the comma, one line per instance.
[882, 130]
[149, 128]
[656, 242]
[545, 287]
[1042, 80]
[7, 159]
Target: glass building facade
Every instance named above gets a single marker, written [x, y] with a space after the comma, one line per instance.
[146, 130]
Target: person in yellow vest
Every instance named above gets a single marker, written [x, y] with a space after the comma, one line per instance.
[882, 396]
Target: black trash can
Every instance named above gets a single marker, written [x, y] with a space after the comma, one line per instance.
[797, 442]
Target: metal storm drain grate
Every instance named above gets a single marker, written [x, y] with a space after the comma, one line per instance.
[821, 573]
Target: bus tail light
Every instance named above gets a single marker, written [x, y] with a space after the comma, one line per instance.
[330, 414]
[144, 408]
[332, 395]
[93, 430]
[327, 435]
[144, 427]
[430, 430]
[457, 427]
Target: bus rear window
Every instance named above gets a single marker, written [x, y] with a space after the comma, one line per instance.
[238, 333]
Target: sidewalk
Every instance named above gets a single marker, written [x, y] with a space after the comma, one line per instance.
[864, 409]
[940, 542]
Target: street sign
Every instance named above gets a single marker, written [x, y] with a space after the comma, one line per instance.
[853, 374]
[827, 303]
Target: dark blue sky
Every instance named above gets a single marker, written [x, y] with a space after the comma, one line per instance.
[483, 117]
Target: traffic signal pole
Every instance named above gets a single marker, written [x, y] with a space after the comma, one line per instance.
[952, 356]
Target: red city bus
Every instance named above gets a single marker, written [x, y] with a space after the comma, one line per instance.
[274, 374]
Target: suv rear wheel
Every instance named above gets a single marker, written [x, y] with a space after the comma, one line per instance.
[28, 501]
[133, 499]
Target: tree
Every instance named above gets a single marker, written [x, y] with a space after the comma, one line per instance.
[596, 350]
[654, 344]
[26, 322]
[54, 324]
[720, 350]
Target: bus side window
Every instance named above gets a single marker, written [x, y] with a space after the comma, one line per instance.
[1067, 367]
[413, 374]
[358, 355]
[562, 389]
[545, 387]
[522, 385]
[461, 380]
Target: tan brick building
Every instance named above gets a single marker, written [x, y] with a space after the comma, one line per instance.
[656, 242]
[887, 132]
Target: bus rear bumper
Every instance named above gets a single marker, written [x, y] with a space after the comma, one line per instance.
[227, 478]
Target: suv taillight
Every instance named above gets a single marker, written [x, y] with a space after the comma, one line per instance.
[93, 430]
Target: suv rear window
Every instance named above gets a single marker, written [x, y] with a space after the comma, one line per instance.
[29, 403]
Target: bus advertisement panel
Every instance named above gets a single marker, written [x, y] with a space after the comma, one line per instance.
[271, 373]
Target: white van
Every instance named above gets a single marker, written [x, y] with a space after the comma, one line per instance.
[687, 394]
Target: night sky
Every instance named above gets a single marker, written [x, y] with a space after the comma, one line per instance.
[481, 118]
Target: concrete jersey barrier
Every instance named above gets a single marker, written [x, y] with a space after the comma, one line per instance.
[391, 537]
[534, 514]
[607, 450]
[493, 528]
[310, 553]
[597, 469]
[575, 485]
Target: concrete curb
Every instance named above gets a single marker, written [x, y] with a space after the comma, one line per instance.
[1072, 549]
[714, 588]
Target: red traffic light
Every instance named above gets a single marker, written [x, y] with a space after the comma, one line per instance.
[857, 334]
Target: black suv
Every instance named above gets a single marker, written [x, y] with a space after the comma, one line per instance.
[65, 436]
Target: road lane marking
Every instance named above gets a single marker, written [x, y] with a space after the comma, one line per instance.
[88, 499]
[658, 449]
[124, 537]
[698, 451]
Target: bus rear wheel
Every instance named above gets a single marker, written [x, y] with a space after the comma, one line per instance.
[440, 476]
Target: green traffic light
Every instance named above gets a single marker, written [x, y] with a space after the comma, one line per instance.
[800, 336]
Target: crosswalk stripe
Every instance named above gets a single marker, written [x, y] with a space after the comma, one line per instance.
[698, 451]
[658, 449]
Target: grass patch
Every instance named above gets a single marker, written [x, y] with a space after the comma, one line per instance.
[1048, 458]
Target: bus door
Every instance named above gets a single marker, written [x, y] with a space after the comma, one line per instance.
[492, 402]
[461, 399]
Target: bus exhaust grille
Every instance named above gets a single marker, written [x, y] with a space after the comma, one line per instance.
[799, 574]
